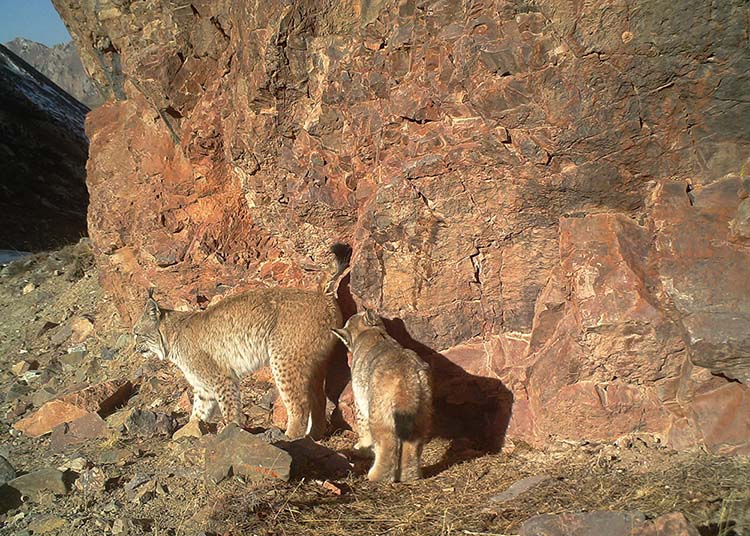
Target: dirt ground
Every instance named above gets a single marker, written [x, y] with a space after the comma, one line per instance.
[41, 296]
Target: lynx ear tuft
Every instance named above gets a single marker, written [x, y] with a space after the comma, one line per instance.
[151, 293]
[153, 308]
[344, 335]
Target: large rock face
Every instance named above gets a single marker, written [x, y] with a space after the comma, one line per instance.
[550, 201]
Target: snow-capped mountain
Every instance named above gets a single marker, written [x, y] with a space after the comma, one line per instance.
[62, 65]
[43, 150]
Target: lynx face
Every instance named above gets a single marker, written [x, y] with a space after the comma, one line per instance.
[148, 338]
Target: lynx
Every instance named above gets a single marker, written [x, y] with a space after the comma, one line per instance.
[288, 329]
[392, 395]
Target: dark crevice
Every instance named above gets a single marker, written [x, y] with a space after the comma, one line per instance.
[689, 192]
[418, 121]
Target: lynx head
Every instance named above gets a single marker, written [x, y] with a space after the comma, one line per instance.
[148, 338]
[356, 325]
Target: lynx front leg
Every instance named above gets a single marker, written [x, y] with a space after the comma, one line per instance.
[203, 405]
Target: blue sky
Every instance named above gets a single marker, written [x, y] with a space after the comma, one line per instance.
[33, 19]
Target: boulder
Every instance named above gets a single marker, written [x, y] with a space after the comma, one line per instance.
[607, 522]
[583, 524]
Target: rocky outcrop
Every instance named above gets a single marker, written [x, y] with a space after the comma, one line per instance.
[43, 150]
[61, 64]
[549, 202]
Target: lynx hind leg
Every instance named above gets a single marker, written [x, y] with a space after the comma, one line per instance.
[315, 393]
[386, 455]
[290, 385]
[229, 399]
[411, 453]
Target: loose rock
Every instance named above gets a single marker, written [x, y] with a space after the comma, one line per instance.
[7, 472]
[90, 426]
[239, 453]
[102, 397]
[48, 416]
[146, 424]
[48, 480]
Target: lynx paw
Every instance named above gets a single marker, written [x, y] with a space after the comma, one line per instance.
[363, 450]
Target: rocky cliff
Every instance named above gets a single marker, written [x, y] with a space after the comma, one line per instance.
[60, 64]
[549, 200]
[43, 149]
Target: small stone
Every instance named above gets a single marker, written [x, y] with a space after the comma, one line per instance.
[47, 417]
[134, 483]
[337, 488]
[16, 391]
[184, 405]
[76, 465]
[194, 428]
[92, 480]
[47, 524]
[17, 408]
[150, 424]
[46, 327]
[42, 396]
[122, 525]
[673, 524]
[48, 480]
[114, 456]
[7, 472]
[80, 327]
[519, 487]
[30, 376]
[72, 360]
[28, 288]
[23, 366]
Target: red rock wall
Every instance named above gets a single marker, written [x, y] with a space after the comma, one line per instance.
[548, 197]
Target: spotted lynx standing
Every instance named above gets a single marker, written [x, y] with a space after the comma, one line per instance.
[288, 329]
[392, 395]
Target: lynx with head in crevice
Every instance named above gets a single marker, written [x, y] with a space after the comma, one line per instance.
[392, 397]
[288, 329]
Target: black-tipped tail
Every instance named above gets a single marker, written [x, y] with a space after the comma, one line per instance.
[343, 254]
[405, 423]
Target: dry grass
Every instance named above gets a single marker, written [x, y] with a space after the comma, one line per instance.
[712, 492]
